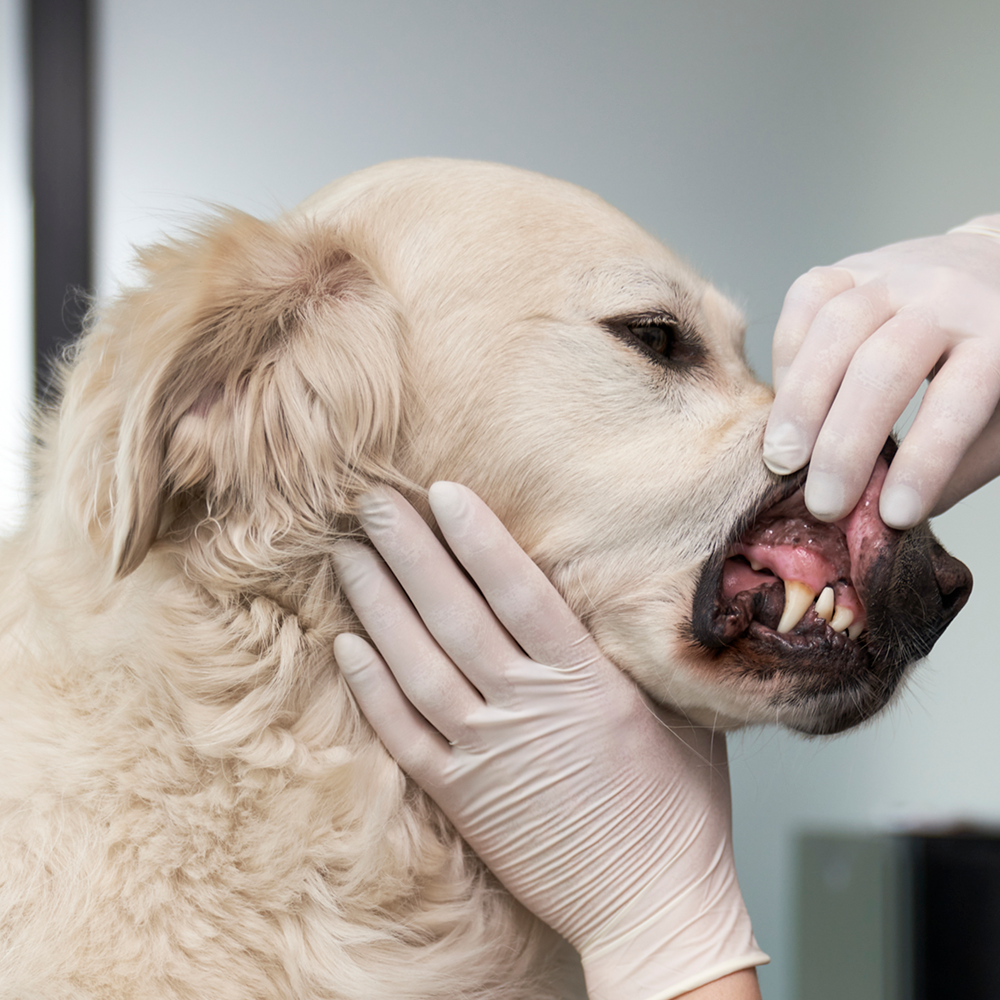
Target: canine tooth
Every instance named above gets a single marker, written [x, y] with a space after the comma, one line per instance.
[754, 565]
[842, 619]
[855, 630]
[798, 597]
[824, 604]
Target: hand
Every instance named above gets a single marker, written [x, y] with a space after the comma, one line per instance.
[852, 346]
[599, 812]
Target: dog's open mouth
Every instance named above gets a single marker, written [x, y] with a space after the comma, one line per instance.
[793, 576]
[837, 611]
[798, 592]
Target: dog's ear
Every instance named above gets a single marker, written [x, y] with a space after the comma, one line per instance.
[259, 371]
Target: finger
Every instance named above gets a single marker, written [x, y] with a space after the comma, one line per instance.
[807, 295]
[883, 376]
[978, 466]
[434, 685]
[958, 405]
[812, 379]
[417, 747]
[451, 608]
[521, 596]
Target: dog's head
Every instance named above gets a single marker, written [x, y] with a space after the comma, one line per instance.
[437, 319]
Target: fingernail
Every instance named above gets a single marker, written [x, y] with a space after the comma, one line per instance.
[825, 495]
[353, 563]
[450, 504]
[785, 449]
[352, 653]
[376, 511]
[900, 507]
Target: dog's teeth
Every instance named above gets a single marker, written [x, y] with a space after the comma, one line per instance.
[755, 566]
[798, 597]
[824, 604]
[855, 630]
[841, 619]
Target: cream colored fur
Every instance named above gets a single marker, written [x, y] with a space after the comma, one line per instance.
[190, 805]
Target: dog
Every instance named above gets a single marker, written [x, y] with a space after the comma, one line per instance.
[191, 804]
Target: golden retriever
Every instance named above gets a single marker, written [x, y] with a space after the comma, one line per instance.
[191, 807]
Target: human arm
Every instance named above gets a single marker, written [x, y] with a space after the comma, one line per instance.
[852, 346]
[740, 985]
[606, 816]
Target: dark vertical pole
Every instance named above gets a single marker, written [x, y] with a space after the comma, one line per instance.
[60, 173]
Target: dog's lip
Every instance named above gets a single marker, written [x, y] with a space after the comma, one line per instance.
[754, 612]
[858, 539]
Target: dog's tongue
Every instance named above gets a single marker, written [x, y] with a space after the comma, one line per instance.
[812, 557]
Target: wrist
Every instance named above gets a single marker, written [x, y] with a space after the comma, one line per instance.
[638, 973]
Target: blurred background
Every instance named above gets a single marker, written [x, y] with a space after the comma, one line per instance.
[756, 138]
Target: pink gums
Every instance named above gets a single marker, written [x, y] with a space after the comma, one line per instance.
[789, 543]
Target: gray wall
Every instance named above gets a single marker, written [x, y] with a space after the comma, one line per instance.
[757, 139]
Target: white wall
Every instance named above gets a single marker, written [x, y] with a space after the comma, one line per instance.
[756, 138]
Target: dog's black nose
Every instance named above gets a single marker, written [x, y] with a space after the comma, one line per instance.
[954, 581]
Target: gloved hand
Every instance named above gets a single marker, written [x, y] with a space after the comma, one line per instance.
[605, 816]
[853, 344]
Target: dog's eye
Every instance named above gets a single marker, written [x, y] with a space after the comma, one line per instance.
[661, 338]
[658, 335]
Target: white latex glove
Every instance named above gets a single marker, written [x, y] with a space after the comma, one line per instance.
[852, 346]
[607, 819]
